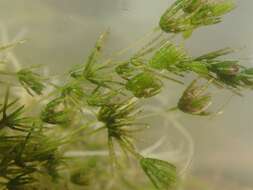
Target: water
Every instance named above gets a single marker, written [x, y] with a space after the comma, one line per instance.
[60, 33]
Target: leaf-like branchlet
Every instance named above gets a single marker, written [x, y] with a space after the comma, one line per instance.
[144, 85]
[125, 70]
[101, 99]
[19, 181]
[73, 95]
[214, 54]
[168, 57]
[187, 15]
[162, 174]
[31, 81]
[173, 59]
[12, 117]
[227, 73]
[56, 113]
[120, 121]
[24, 155]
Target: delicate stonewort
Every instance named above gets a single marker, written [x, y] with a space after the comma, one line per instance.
[103, 96]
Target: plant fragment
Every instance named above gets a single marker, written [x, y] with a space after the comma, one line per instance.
[31, 81]
[56, 113]
[162, 174]
[144, 85]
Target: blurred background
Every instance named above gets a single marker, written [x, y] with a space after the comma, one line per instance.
[60, 33]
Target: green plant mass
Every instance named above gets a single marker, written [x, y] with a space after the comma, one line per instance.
[82, 132]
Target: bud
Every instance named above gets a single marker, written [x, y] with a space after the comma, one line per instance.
[162, 174]
[194, 101]
[144, 85]
[226, 68]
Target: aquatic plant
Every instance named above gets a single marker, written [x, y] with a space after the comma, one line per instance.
[98, 104]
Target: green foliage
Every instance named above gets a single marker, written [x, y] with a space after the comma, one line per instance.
[125, 70]
[31, 81]
[12, 118]
[162, 174]
[120, 121]
[98, 98]
[144, 85]
[187, 15]
[228, 73]
[232, 74]
[73, 91]
[168, 57]
[56, 113]
[214, 54]
[26, 154]
[173, 59]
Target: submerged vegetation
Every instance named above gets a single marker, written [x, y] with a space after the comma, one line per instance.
[99, 105]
